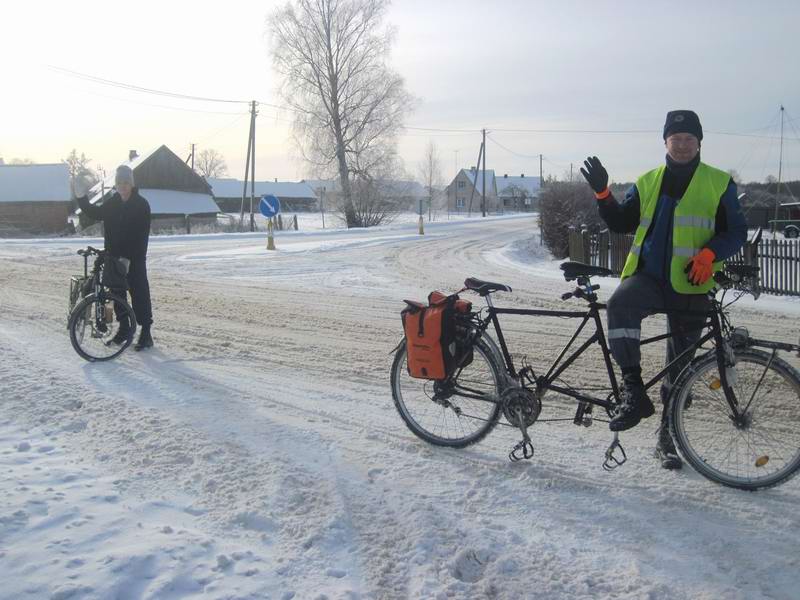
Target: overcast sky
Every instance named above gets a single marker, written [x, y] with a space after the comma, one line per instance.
[574, 68]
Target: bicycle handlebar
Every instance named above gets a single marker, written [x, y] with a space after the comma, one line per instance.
[89, 251]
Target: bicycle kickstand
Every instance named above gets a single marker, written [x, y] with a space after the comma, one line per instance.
[615, 454]
[523, 449]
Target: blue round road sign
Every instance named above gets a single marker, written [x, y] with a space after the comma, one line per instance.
[269, 205]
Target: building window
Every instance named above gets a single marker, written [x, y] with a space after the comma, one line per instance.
[459, 202]
[461, 184]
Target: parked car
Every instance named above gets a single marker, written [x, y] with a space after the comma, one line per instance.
[790, 225]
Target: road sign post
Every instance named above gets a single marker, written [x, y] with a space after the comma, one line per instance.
[269, 206]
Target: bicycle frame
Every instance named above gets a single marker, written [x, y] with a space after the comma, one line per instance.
[563, 362]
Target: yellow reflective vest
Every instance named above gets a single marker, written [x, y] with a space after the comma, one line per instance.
[692, 226]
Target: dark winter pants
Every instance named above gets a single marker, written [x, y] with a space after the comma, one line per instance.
[639, 296]
[139, 288]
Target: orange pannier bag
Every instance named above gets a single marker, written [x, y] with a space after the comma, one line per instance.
[433, 350]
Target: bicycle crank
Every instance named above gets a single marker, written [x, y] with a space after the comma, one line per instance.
[521, 408]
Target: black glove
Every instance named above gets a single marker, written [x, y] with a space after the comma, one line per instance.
[595, 173]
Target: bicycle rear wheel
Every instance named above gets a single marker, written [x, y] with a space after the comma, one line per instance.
[763, 448]
[91, 331]
[457, 412]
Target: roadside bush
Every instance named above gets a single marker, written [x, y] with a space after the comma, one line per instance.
[565, 204]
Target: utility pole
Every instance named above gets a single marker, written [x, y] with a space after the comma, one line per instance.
[541, 176]
[247, 168]
[253, 168]
[193, 157]
[483, 196]
[475, 180]
[778, 189]
[570, 172]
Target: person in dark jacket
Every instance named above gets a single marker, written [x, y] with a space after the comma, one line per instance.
[126, 217]
[687, 219]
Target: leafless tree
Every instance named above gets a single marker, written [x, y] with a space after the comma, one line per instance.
[210, 163]
[79, 167]
[348, 104]
[430, 172]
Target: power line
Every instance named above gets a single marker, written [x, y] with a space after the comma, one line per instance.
[137, 88]
[593, 131]
[494, 141]
[442, 129]
[182, 96]
[223, 128]
[751, 148]
[178, 108]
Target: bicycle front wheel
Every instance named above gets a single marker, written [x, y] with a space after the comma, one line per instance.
[101, 329]
[456, 412]
[760, 449]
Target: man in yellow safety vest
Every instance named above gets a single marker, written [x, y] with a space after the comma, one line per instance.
[687, 219]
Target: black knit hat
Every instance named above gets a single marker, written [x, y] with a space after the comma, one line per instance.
[683, 121]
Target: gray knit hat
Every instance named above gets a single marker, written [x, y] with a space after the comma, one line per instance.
[124, 175]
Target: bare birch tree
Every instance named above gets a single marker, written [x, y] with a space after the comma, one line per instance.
[348, 104]
[430, 172]
[210, 163]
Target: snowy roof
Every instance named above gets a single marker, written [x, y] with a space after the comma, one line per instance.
[172, 202]
[529, 184]
[470, 173]
[110, 180]
[34, 183]
[232, 188]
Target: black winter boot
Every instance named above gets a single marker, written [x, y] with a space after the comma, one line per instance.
[145, 339]
[122, 334]
[635, 405]
[665, 449]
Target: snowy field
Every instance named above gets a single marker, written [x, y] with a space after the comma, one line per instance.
[256, 452]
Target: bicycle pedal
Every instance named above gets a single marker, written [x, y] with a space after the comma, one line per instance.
[523, 450]
[615, 455]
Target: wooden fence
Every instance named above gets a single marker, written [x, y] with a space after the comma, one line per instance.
[779, 260]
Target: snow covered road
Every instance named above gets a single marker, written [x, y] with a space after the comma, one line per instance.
[256, 453]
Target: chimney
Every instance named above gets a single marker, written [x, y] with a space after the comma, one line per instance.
[472, 168]
[505, 175]
[132, 154]
[276, 180]
[523, 175]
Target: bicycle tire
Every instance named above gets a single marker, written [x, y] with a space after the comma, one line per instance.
[82, 317]
[763, 453]
[413, 400]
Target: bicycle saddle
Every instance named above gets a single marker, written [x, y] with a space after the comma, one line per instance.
[484, 287]
[573, 270]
